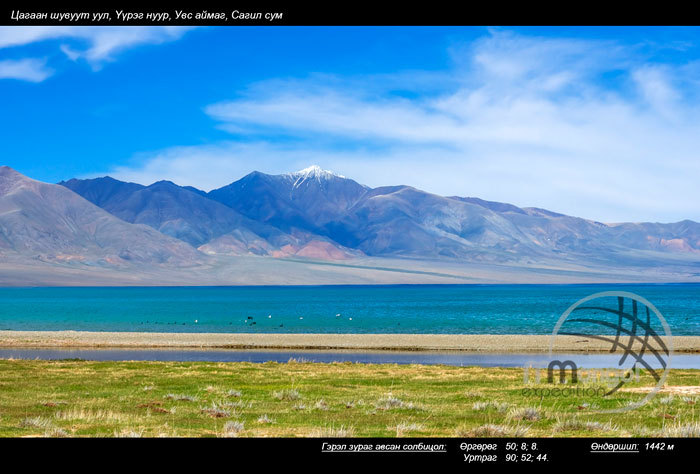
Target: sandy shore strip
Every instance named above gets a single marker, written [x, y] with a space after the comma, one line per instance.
[365, 342]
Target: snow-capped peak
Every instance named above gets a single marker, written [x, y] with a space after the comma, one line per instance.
[315, 171]
[312, 172]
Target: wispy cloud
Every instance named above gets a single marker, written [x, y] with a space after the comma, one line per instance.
[96, 45]
[30, 69]
[206, 167]
[591, 128]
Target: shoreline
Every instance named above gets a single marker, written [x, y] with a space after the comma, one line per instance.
[486, 343]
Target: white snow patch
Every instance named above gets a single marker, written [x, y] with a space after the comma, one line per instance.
[312, 172]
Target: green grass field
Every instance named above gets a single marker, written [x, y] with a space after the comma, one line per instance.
[81, 398]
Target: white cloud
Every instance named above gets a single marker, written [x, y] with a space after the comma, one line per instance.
[94, 44]
[70, 53]
[582, 127]
[206, 167]
[655, 86]
[30, 69]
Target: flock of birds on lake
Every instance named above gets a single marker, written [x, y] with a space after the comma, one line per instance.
[250, 320]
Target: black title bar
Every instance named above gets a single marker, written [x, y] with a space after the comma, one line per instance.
[16, 13]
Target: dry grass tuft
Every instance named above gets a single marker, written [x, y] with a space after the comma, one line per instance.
[55, 432]
[128, 433]
[288, 394]
[215, 411]
[231, 429]
[81, 414]
[266, 420]
[525, 413]
[500, 407]
[667, 400]
[575, 424]
[321, 405]
[493, 431]
[389, 402]
[331, 432]
[687, 430]
[36, 422]
[405, 427]
[179, 397]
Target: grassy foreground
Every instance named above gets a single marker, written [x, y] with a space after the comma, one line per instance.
[83, 398]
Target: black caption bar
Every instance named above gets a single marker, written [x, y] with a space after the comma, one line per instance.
[235, 14]
[434, 452]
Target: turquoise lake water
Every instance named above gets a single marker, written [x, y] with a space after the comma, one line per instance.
[436, 309]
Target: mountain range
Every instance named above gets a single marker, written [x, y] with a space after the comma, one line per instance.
[318, 218]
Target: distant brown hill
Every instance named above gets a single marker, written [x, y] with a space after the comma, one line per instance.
[48, 222]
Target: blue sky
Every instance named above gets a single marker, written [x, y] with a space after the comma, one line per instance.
[602, 123]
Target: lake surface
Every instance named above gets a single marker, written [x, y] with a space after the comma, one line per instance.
[591, 361]
[431, 309]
